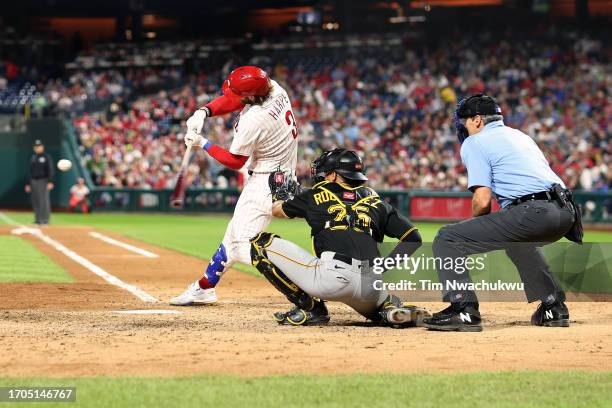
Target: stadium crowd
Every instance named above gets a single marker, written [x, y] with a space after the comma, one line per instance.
[83, 90]
[393, 106]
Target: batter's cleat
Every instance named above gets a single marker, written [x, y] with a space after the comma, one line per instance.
[195, 295]
[555, 315]
[318, 316]
[455, 318]
[404, 316]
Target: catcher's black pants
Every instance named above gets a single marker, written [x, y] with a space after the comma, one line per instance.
[518, 229]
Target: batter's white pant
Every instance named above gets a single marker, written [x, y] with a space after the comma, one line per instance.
[252, 215]
[328, 278]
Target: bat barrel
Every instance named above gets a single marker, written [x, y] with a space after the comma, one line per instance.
[176, 203]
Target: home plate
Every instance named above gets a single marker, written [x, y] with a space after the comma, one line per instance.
[147, 311]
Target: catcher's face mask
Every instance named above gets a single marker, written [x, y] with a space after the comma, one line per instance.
[462, 132]
[318, 168]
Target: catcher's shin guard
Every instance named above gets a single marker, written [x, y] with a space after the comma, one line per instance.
[259, 259]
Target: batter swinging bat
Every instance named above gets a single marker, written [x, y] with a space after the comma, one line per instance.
[178, 195]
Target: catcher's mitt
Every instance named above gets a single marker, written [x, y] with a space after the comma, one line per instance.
[283, 186]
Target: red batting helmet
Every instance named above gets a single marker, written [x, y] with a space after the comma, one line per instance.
[247, 81]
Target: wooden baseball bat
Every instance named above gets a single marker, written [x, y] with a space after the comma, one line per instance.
[177, 198]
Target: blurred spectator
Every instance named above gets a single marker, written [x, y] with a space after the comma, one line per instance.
[78, 196]
[392, 103]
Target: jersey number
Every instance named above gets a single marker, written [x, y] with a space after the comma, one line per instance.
[291, 122]
[360, 209]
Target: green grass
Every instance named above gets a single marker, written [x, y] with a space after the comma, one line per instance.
[473, 390]
[196, 235]
[20, 261]
[200, 235]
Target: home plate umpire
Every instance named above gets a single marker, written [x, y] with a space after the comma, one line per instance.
[536, 209]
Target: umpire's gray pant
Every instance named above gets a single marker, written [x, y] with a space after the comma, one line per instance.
[328, 278]
[40, 200]
[519, 230]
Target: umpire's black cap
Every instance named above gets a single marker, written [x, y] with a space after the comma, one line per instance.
[38, 142]
[479, 104]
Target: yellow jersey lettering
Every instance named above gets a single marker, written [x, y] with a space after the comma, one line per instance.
[322, 197]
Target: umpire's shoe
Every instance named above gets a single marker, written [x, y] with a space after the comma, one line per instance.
[554, 315]
[317, 316]
[456, 317]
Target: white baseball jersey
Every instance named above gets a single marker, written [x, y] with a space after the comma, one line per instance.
[267, 133]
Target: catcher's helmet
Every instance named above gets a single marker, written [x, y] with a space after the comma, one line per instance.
[247, 81]
[347, 163]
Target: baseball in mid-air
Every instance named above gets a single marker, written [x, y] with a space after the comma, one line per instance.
[64, 164]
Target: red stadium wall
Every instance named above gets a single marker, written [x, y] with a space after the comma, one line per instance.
[442, 208]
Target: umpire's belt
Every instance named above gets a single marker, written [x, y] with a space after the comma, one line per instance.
[542, 195]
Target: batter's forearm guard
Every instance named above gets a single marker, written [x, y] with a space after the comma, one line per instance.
[259, 259]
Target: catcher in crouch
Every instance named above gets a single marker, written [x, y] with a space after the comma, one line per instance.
[347, 220]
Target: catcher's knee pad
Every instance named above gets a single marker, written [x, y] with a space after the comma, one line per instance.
[216, 266]
[261, 241]
[259, 259]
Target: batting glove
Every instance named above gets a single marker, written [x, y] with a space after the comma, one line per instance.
[196, 121]
[192, 138]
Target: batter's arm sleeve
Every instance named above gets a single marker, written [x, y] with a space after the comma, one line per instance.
[230, 160]
[223, 105]
[297, 207]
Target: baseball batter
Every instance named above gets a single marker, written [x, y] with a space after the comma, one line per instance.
[265, 136]
[347, 220]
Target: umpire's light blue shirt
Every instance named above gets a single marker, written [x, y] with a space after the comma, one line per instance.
[508, 161]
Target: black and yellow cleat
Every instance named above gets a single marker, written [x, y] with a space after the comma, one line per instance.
[280, 316]
[318, 316]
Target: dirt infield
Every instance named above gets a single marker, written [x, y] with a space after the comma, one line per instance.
[71, 329]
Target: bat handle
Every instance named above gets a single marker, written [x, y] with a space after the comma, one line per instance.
[176, 200]
[186, 156]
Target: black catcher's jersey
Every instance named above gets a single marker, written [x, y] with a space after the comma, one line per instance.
[347, 220]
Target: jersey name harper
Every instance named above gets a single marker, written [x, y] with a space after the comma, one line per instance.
[267, 133]
[278, 106]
